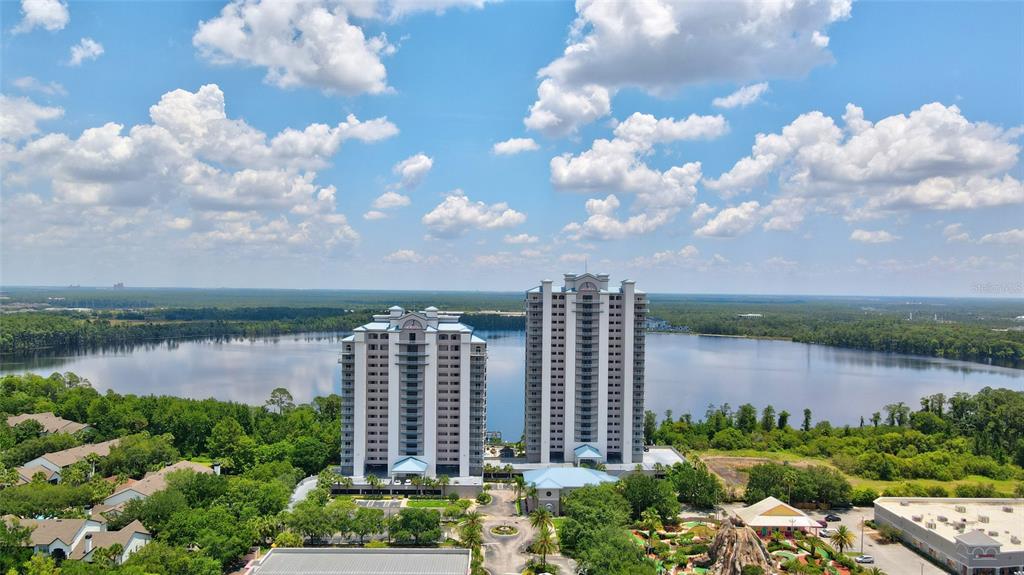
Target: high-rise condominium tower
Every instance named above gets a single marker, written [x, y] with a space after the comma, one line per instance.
[585, 371]
[414, 387]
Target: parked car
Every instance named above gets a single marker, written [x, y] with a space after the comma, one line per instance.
[822, 523]
[833, 517]
[827, 532]
[864, 559]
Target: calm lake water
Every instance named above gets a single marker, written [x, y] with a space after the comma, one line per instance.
[684, 373]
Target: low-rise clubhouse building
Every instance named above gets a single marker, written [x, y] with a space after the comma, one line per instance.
[772, 515]
[966, 536]
[554, 482]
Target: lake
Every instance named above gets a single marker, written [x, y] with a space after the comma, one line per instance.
[685, 373]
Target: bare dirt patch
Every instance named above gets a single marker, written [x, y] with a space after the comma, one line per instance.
[734, 471]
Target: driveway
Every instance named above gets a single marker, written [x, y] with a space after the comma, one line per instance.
[302, 490]
[508, 555]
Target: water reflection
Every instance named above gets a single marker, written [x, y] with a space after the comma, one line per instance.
[684, 373]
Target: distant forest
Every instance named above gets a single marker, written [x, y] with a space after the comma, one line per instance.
[979, 330]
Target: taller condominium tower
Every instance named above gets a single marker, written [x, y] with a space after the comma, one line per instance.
[414, 386]
[585, 371]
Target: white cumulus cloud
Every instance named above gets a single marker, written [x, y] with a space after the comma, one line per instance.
[86, 49]
[661, 45]
[457, 214]
[732, 221]
[30, 84]
[19, 117]
[873, 236]
[514, 146]
[51, 15]
[1014, 236]
[521, 239]
[933, 159]
[413, 169]
[741, 98]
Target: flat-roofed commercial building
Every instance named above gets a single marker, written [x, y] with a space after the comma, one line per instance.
[414, 386]
[966, 536]
[362, 561]
[585, 371]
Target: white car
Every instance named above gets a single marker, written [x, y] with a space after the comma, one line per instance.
[864, 559]
[827, 532]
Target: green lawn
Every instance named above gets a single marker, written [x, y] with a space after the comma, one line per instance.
[1004, 486]
[427, 503]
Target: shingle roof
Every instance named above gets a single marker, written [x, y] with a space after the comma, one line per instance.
[27, 473]
[566, 477]
[51, 423]
[340, 561]
[157, 480]
[47, 531]
[104, 539]
[76, 454]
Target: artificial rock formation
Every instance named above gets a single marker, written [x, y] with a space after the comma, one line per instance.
[735, 547]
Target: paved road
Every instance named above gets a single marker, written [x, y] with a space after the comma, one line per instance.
[508, 555]
[302, 490]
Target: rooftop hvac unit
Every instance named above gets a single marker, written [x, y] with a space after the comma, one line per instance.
[930, 525]
[942, 518]
[1015, 540]
[1007, 509]
[960, 509]
[904, 504]
[993, 533]
[983, 518]
[917, 518]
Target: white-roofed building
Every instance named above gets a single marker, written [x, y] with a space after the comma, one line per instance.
[362, 561]
[554, 482]
[966, 536]
[771, 514]
[415, 393]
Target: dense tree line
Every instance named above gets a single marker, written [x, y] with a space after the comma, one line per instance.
[888, 330]
[27, 332]
[239, 435]
[947, 438]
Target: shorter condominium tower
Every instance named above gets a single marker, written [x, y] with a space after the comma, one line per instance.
[414, 392]
[585, 371]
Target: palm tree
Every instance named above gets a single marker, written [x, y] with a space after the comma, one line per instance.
[875, 571]
[473, 519]
[518, 486]
[471, 529]
[540, 518]
[443, 481]
[373, 481]
[545, 542]
[841, 539]
[650, 522]
[417, 481]
[531, 494]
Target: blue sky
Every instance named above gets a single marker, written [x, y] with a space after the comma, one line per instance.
[871, 148]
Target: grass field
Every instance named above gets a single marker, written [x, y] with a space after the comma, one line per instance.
[731, 467]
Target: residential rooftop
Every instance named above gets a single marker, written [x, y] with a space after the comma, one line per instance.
[362, 561]
[51, 423]
[76, 454]
[155, 481]
[971, 521]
